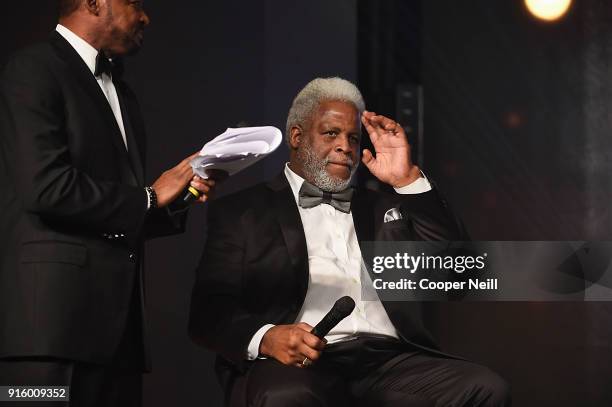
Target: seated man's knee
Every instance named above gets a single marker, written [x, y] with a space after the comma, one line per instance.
[286, 396]
[301, 391]
[490, 389]
[299, 396]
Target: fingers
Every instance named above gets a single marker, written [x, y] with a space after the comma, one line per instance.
[310, 346]
[375, 122]
[389, 124]
[308, 352]
[303, 351]
[202, 185]
[292, 344]
[367, 157]
[310, 339]
[184, 169]
[192, 156]
[205, 186]
[367, 124]
[313, 341]
[304, 326]
[367, 114]
[385, 124]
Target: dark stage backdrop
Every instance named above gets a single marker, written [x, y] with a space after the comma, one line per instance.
[518, 118]
[516, 130]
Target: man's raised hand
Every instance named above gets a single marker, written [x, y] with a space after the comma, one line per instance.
[392, 164]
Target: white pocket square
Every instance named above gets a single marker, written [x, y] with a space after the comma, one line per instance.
[392, 214]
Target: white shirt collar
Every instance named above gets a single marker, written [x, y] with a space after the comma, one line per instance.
[82, 47]
[295, 181]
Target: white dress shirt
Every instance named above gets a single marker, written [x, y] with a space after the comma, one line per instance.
[335, 270]
[89, 54]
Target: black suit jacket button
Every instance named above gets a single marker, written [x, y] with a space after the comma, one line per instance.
[132, 257]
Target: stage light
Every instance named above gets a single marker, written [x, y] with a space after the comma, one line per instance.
[549, 10]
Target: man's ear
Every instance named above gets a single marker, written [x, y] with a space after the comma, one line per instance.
[296, 135]
[93, 6]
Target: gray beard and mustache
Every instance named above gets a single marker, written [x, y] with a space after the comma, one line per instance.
[315, 169]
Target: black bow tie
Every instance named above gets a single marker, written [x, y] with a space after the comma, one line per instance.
[311, 196]
[111, 67]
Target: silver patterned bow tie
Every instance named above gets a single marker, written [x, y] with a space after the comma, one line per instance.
[311, 196]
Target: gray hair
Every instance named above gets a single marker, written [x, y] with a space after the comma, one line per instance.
[319, 90]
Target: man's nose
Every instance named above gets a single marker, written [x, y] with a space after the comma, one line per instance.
[343, 144]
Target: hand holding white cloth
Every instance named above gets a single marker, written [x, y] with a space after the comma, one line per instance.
[236, 149]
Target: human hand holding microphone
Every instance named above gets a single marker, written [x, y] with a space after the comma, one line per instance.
[300, 344]
[180, 181]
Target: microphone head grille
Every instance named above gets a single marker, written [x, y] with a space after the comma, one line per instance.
[344, 306]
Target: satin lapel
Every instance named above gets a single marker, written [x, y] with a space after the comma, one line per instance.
[292, 229]
[362, 211]
[85, 78]
[130, 133]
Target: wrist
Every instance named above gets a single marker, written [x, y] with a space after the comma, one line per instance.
[415, 174]
[264, 348]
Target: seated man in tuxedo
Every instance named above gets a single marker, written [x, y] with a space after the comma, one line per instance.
[279, 254]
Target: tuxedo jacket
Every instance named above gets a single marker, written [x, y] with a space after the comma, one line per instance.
[73, 211]
[254, 269]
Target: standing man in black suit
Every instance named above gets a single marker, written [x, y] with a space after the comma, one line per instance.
[278, 255]
[74, 209]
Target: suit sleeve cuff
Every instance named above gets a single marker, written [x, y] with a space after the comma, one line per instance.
[253, 349]
[419, 186]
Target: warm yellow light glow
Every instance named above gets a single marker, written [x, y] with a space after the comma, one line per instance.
[548, 10]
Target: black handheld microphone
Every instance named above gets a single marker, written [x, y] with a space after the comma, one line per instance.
[190, 195]
[341, 309]
[184, 200]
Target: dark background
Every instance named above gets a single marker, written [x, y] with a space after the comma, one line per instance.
[513, 122]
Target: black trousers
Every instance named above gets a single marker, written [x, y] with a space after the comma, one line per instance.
[375, 372]
[117, 384]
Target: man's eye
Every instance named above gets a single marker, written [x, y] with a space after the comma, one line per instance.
[331, 133]
[355, 139]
